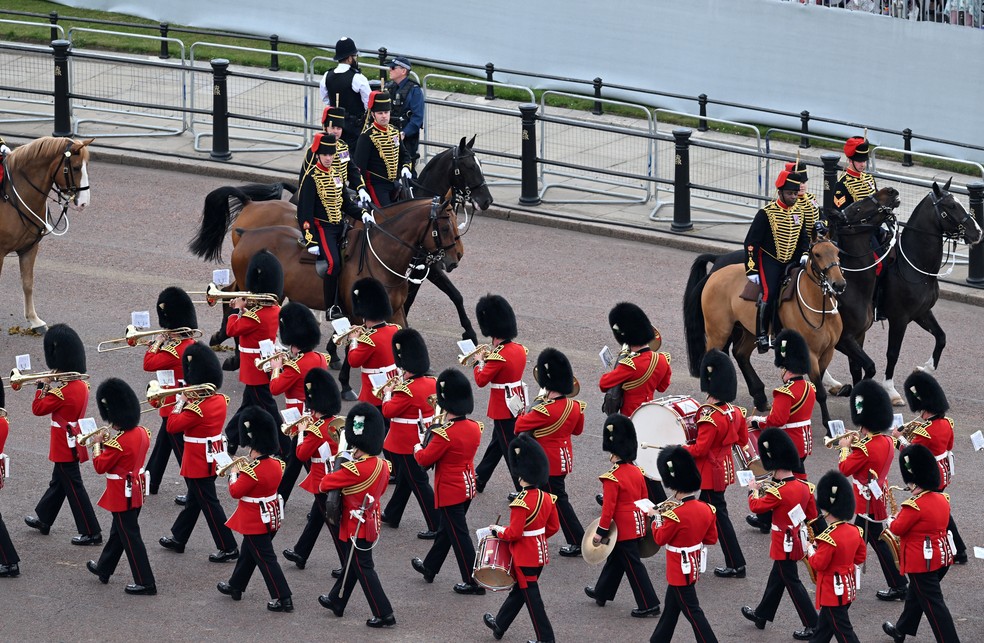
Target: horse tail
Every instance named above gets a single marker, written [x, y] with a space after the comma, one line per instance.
[693, 315]
[290, 187]
[222, 206]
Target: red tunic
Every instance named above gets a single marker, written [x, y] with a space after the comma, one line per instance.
[167, 358]
[202, 423]
[622, 485]
[780, 501]
[290, 382]
[553, 422]
[923, 521]
[685, 532]
[873, 453]
[718, 427]
[4, 431]
[251, 327]
[839, 551]
[937, 436]
[792, 408]
[409, 401]
[532, 520]
[373, 353]
[255, 486]
[640, 375]
[503, 368]
[452, 447]
[367, 475]
[318, 438]
[66, 404]
[122, 460]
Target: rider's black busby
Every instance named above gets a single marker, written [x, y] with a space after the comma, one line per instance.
[924, 393]
[298, 327]
[365, 428]
[380, 102]
[630, 325]
[454, 392]
[201, 366]
[554, 372]
[370, 300]
[798, 171]
[259, 430]
[410, 351]
[321, 392]
[265, 275]
[857, 148]
[618, 437]
[777, 450]
[528, 460]
[835, 495]
[175, 309]
[333, 117]
[118, 404]
[63, 349]
[325, 144]
[718, 377]
[919, 467]
[678, 470]
[871, 406]
[496, 317]
[792, 353]
[788, 181]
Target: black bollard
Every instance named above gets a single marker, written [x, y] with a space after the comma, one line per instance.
[975, 266]
[489, 88]
[681, 182]
[220, 110]
[702, 103]
[907, 142]
[165, 53]
[274, 58]
[597, 82]
[830, 168]
[63, 107]
[529, 192]
[53, 19]
[805, 130]
[381, 52]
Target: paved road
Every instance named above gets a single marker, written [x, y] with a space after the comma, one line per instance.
[131, 243]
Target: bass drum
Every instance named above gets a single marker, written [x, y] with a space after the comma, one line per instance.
[661, 423]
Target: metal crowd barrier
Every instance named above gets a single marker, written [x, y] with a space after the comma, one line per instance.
[27, 84]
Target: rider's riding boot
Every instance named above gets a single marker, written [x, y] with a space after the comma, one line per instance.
[879, 301]
[332, 310]
[762, 318]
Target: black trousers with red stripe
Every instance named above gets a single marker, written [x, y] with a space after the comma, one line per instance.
[292, 471]
[569, 523]
[682, 600]
[733, 556]
[257, 551]
[924, 596]
[312, 529]
[410, 478]
[785, 576]
[362, 570]
[872, 534]
[124, 536]
[625, 559]
[503, 431]
[835, 622]
[8, 555]
[164, 444]
[202, 499]
[66, 483]
[453, 534]
[530, 596]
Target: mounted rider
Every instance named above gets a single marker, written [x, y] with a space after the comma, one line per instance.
[777, 238]
[332, 122]
[807, 202]
[4, 151]
[380, 154]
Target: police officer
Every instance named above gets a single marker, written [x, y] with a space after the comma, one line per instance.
[380, 154]
[408, 106]
[345, 86]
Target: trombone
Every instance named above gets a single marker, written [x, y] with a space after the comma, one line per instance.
[830, 443]
[237, 463]
[341, 338]
[132, 337]
[155, 394]
[18, 379]
[396, 380]
[214, 294]
[480, 350]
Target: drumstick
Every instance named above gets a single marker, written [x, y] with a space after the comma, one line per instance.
[646, 445]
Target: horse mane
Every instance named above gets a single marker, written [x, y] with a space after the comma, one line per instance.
[46, 147]
[433, 163]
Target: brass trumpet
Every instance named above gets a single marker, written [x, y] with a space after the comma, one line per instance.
[214, 294]
[18, 379]
[291, 430]
[263, 363]
[132, 337]
[830, 443]
[156, 394]
[88, 439]
[237, 462]
[396, 380]
[341, 338]
[907, 429]
[481, 349]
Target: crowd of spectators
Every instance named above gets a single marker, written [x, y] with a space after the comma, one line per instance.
[956, 12]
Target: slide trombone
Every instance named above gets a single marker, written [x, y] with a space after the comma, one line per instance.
[155, 394]
[132, 337]
[18, 379]
[481, 349]
[214, 294]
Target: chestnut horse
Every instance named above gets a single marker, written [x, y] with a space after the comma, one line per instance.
[715, 315]
[31, 172]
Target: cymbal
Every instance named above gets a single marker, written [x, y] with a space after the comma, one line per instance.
[648, 546]
[596, 554]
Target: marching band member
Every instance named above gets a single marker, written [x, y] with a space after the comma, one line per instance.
[363, 482]
[836, 555]
[719, 425]
[867, 460]
[405, 404]
[300, 332]
[259, 514]
[451, 448]
[121, 457]
[553, 419]
[253, 324]
[9, 560]
[372, 350]
[66, 403]
[317, 443]
[380, 153]
[624, 485]
[789, 539]
[639, 370]
[684, 528]
[925, 549]
[200, 419]
[532, 520]
[502, 368]
[935, 432]
[792, 406]
[174, 310]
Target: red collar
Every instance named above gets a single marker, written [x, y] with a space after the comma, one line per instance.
[783, 205]
[852, 172]
[322, 167]
[381, 128]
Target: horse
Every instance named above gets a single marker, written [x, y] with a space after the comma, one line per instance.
[911, 285]
[31, 172]
[716, 315]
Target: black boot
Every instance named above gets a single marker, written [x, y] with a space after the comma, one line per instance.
[332, 310]
[762, 318]
[879, 301]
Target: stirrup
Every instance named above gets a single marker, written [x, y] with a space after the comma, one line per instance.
[764, 343]
[334, 312]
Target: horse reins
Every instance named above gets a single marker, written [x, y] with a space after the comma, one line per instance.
[429, 258]
[65, 197]
[821, 280]
[951, 236]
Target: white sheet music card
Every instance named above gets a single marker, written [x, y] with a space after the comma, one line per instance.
[466, 346]
[897, 421]
[87, 425]
[607, 359]
[266, 348]
[836, 428]
[645, 504]
[221, 277]
[378, 379]
[978, 552]
[977, 439]
[140, 319]
[875, 489]
[484, 532]
[341, 325]
[290, 415]
[24, 364]
[797, 515]
[221, 458]
[744, 476]
[165, 378]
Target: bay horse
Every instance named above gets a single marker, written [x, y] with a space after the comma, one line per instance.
[716, 315]
[31, 172]
[911, 283]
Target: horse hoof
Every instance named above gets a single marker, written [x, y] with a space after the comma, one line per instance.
[40, 330]
[216, 339]
[898, 401]
[844, 391]
[349, 395]
[230, 364]
[472, 336]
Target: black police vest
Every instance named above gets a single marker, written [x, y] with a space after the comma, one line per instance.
[339, 88]
[400, 113]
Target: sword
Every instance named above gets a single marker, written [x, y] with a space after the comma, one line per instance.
[360, 515]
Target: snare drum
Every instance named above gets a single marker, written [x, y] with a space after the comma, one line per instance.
[661, 423]
[754, 462]
[493, 564]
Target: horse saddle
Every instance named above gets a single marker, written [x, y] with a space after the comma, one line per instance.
[752, 291]
[320, 263]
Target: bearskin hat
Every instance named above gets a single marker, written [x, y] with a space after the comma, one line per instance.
[410, 351]
[678, 470]
[118, 404]
[792, 353]
[718, 377]
[496, 317]
[321, 392]
[618, 436]
[630, 325]
[871, 406]
[553, 372]
[63, 349]
[924, 393]
[298, 327]
[175, 309]
[365, 428]
[370, 300]
[454, 392]
[835, 495]
[777, 450]
[919, 467]
[201, 366]
[259, 430]
[528, 460]
[265, 275]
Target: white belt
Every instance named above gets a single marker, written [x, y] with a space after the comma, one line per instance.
[776, 527]
[509, 385]
[113, 476]
[535, 532]
[944, 456]
[293, 400]
[317, 460]
[374, 371]
[55, 425]
[796, 425]
[243, 349]
[425, 420]
[683, 550]
[211, 438]
[259, 500]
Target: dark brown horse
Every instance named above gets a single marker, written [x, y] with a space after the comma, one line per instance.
[32, 172]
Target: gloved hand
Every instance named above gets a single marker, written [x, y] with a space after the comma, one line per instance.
[754, 279]
[4, 150]
[364, 199]
[405, 173]
[314, 250]
[803, 261]
[367, 218]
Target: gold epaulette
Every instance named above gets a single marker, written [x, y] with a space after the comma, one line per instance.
[149, 434]
[351, 467]
[389, 466]
[627, 361]
[283, 463]
[526, 351]
[553, 497]
[775, 491]
[947, 496]
[250, 469]
[950, 420]
[112, 443]
[292, 363]
[671, 515]
[812, 487]
[366, 337]
[785, 390]
[57, 392]
[911, 502]
[542, 408]
[584, 405]
[226, 399]
[669, 360]
[327, 358]
[481, 426]
[862, 444]
[520, 501]
[194, 408]
[610, 474]
[921, 430]
[442, 431]
[860, 531]
[744, 411]
[316, 428]
[404, 388]
[251, 314]
[706, 413]
[713, 508]
[172, 348]
[494, 356]
[825, 537]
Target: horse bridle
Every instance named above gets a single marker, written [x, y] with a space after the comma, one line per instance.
[423, 258]
[942, 214]
[949, 235]
[879, 209]
[819, 275]
[64, 196]
[461, 191]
